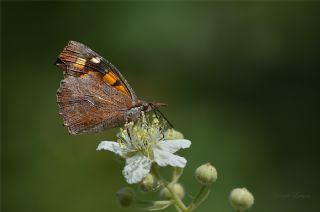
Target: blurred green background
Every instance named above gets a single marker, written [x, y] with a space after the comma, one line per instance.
[240, 79]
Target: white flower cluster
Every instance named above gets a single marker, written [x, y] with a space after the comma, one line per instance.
[143, 143]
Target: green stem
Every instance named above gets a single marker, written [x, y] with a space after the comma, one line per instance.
[177, 201]
[177, 172]
[200, 197]
[202, 189]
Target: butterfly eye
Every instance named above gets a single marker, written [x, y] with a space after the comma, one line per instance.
[146, 106]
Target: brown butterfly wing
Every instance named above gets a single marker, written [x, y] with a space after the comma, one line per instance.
[77, 59]
[88, 104]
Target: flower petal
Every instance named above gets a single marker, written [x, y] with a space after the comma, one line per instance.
[164, 158]
[172, 134]
[111, 146]
[174, 145]
[137, 167]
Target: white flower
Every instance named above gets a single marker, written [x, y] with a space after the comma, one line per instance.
[141, 144]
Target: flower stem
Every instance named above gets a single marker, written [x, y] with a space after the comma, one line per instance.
[177, 201]
[177, 172]
[200, 197]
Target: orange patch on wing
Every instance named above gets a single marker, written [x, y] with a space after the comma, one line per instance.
[79, 66]
[110, 78]
[83, 75]
[122, 89]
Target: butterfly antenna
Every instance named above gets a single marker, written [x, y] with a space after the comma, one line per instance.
[163, 116]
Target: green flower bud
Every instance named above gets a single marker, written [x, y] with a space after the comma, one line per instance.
[241, 199]
[172, 134]
[126, 197]
[149, 183]
[206, 174]
[177, 188]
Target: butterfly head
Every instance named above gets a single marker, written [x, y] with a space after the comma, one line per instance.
[154, 106]
[149, 106]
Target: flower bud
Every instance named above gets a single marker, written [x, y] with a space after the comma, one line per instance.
[172, 134]
[149, 183]
[206, 174]
[241, 199]
[126, 197]
[177, 189]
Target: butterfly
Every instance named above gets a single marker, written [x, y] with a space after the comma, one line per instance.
[93, 95]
